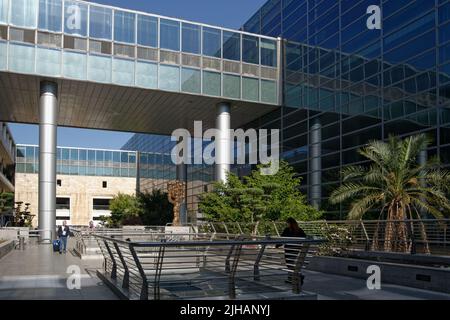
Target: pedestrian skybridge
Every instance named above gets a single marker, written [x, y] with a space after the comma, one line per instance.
[133, 71]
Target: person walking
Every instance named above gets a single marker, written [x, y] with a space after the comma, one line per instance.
[291, 251]
[63, 235]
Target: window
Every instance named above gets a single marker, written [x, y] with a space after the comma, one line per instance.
[101, 204]
[250, 49]
[75, 18]
[191, 38]
[50, 15]
[170, 35]
[147, 31]
[104, 184]
[268, 53]
[124, 27]
[100, 23]
[231, 45]
[190, 80]
[62, 203]
[212, 40]
[59, 182]
[24, 13]
[4, 9]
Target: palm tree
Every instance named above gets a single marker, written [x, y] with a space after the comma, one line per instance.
[396, 184]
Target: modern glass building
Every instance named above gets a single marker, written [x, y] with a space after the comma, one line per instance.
[344, 84]
[90, 42]
[80, 161]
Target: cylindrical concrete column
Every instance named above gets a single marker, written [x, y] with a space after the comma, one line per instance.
[315, 162]
[223, 142]
[48, 119]
[182, 176]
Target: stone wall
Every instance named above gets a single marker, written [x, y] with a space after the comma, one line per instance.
[80, 189]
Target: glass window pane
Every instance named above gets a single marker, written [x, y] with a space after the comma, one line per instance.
[50, 15]
[24, 13]
[170, 34]
[49, 62]
[268, 53]
[21, 58]
[212, 42]
[231, 45]
[231, 86]
[211, 83]
[190, 80]
[75, 18]
[146, 75]
[191, 38]
[3, 55]
[100, 22]
[74, 65]
[123, 72]
[99, 68]
[147, 31]
[4, 9]
[124, 27]
[169, 78]
[250, 89]
[250, 49]
[268, 91]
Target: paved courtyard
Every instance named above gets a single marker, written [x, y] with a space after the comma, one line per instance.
[39, 273]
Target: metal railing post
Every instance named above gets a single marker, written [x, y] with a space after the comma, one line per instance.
[296, 281]
[144, 288]
[256, 276]
[232, 275]
[159, 264]
[126, 274]
[113, 260]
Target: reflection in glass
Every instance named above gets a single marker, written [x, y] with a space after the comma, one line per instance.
[24, 13]
[147, 31]
[75, 18]
[231, 45]
[170, 34]
[250, 49]
[100, 22]
[212, 42]
[4, 7]
[191, 38]
[124, 27]
[50, 12]
[190, 80]
[268, 53]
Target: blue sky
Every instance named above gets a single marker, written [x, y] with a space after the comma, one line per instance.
[224, 13]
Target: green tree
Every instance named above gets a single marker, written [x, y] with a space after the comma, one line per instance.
[155, 208]
[125, 209]
[258, 198]
[6, 204]
[397, 185]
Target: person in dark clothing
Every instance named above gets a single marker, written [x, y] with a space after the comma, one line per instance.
[291, 251]
[63, 234]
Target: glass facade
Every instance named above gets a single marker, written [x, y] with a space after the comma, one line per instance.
[82, 162]
[350, 83]
[111, 45]
[357, 84]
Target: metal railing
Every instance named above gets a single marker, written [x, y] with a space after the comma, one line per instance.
[204, 265]
[413, 236]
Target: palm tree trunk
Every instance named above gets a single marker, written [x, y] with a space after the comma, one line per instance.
[389, 230]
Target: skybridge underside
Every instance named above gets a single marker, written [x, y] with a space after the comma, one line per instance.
[92, 105]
